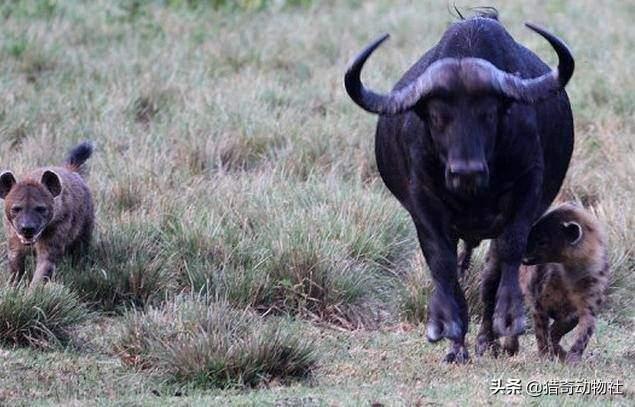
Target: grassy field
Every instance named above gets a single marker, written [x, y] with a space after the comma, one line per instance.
[246, 251]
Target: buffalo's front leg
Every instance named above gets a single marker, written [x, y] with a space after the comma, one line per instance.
[447, 309]
[509, 312]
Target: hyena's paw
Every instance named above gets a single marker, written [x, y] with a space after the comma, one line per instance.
[511, 345]
[558, 352]
[573, 358]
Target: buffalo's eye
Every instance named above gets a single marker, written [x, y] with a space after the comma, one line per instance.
[40, 209]
[437, 119]
[16, 209]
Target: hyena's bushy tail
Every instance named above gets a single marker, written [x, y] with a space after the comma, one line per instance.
[78, 156]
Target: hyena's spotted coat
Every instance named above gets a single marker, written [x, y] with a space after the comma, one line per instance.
[49, 210]
[564, 278]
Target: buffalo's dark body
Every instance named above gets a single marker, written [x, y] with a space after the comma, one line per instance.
[532, 153]
[400, 136]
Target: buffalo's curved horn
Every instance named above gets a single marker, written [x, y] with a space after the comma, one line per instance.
[365, 98]
[474, 73]
[399, 100]
[535, 89]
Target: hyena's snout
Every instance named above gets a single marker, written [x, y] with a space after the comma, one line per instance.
[28, 231]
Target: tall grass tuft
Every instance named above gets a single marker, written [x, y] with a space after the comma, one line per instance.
[42, 318]
[415, 291]
[319, 255]
[125, 267]
[213, 345]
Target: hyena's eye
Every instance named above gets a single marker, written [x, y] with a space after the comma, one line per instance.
[15, 209]
[40, 209]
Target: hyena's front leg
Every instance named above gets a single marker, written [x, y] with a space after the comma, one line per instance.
[46, 260]
[559, 329]
[541, 328]
[16, 264]
[585, 330]
[511, 345]
[43, 272]
[486, 339]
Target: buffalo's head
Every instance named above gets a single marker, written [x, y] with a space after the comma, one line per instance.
[461, 100]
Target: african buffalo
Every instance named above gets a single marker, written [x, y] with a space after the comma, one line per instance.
[474, 141]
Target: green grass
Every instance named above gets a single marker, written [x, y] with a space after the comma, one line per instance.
[125, 267]
[42, 318]
[233, 171]
[213, 345]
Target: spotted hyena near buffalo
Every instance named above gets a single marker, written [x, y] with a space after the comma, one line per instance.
[51, 211]
[474, 141]
[564, 277]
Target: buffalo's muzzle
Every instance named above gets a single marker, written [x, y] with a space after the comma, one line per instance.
[466, 176]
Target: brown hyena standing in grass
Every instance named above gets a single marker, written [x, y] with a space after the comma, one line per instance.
[50, 210]
[564, 278]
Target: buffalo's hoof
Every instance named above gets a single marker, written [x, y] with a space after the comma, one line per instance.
[509, 315]
[437, 330]
[444, 319]
[457, 354]
[484, 344]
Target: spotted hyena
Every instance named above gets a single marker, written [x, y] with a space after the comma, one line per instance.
[564, 278]
[49, 211]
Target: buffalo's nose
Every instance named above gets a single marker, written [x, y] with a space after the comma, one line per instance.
[467, 168]
[467, 175]
[27, 231]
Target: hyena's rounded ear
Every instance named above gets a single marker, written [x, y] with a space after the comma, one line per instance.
[52, 182]
[572, 232]
[7, 181]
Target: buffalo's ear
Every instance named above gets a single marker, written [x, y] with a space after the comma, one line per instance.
[421, 109]
[572, 232]
[7, 181]
[52, 182]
